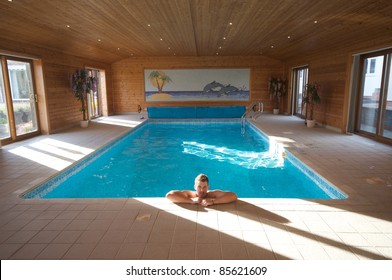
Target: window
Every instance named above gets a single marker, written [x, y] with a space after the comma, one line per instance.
[372, 66]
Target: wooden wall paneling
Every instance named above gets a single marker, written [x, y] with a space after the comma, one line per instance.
[128, 78]
[60, 107]
[332, 69]
[328, 70]
[342, 29]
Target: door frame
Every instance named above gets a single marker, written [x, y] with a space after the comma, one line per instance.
[8, 97]
[295, 91]
[382, 100]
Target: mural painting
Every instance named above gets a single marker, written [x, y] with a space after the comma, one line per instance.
[196, 84]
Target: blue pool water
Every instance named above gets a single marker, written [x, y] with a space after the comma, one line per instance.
[159, 156]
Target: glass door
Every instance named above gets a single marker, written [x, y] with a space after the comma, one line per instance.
[370, 99]
[23, 97]
[375, 103]
[299, 82]
[4, 120]
[18, 104]
[93, 97]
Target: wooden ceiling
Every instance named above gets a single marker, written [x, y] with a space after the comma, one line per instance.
[110, 30]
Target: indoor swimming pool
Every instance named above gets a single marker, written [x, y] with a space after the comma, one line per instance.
[162, 155]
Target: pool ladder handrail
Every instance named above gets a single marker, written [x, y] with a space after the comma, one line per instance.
[255, 110]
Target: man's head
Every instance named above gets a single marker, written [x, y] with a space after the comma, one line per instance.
[201, 185]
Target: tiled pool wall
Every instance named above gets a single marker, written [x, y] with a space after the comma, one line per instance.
[39, 191]
[195, 112]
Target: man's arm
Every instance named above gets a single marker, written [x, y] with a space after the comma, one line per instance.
[181, 197]
[219, 197]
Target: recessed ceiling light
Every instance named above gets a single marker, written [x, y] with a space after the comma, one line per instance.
[315, 21]
[272, 47]
[230, 23]
[161, 39]
[217, 53]
[169, 48]
[219, 47]
[118, 49]
[148, 25]
[68, 26]
[224, 38]
[99, 40]
[288, 37]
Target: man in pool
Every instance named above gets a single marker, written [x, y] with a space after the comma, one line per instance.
[201, 195]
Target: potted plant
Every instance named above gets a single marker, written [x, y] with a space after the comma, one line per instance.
[311, 98]
[82, 84]
[276, 89]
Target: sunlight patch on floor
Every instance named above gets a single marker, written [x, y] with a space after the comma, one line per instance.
[52, 153]
[120, 122]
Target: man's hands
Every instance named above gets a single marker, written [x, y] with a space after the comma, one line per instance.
[207, 202]
[203, 201]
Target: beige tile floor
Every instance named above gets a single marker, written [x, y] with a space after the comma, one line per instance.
[359, 227]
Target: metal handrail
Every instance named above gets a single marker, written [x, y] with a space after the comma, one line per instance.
[259, 110]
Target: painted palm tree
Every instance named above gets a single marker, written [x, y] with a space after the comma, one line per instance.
[158, 79]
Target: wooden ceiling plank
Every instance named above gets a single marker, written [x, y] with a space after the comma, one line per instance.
[193, 27]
